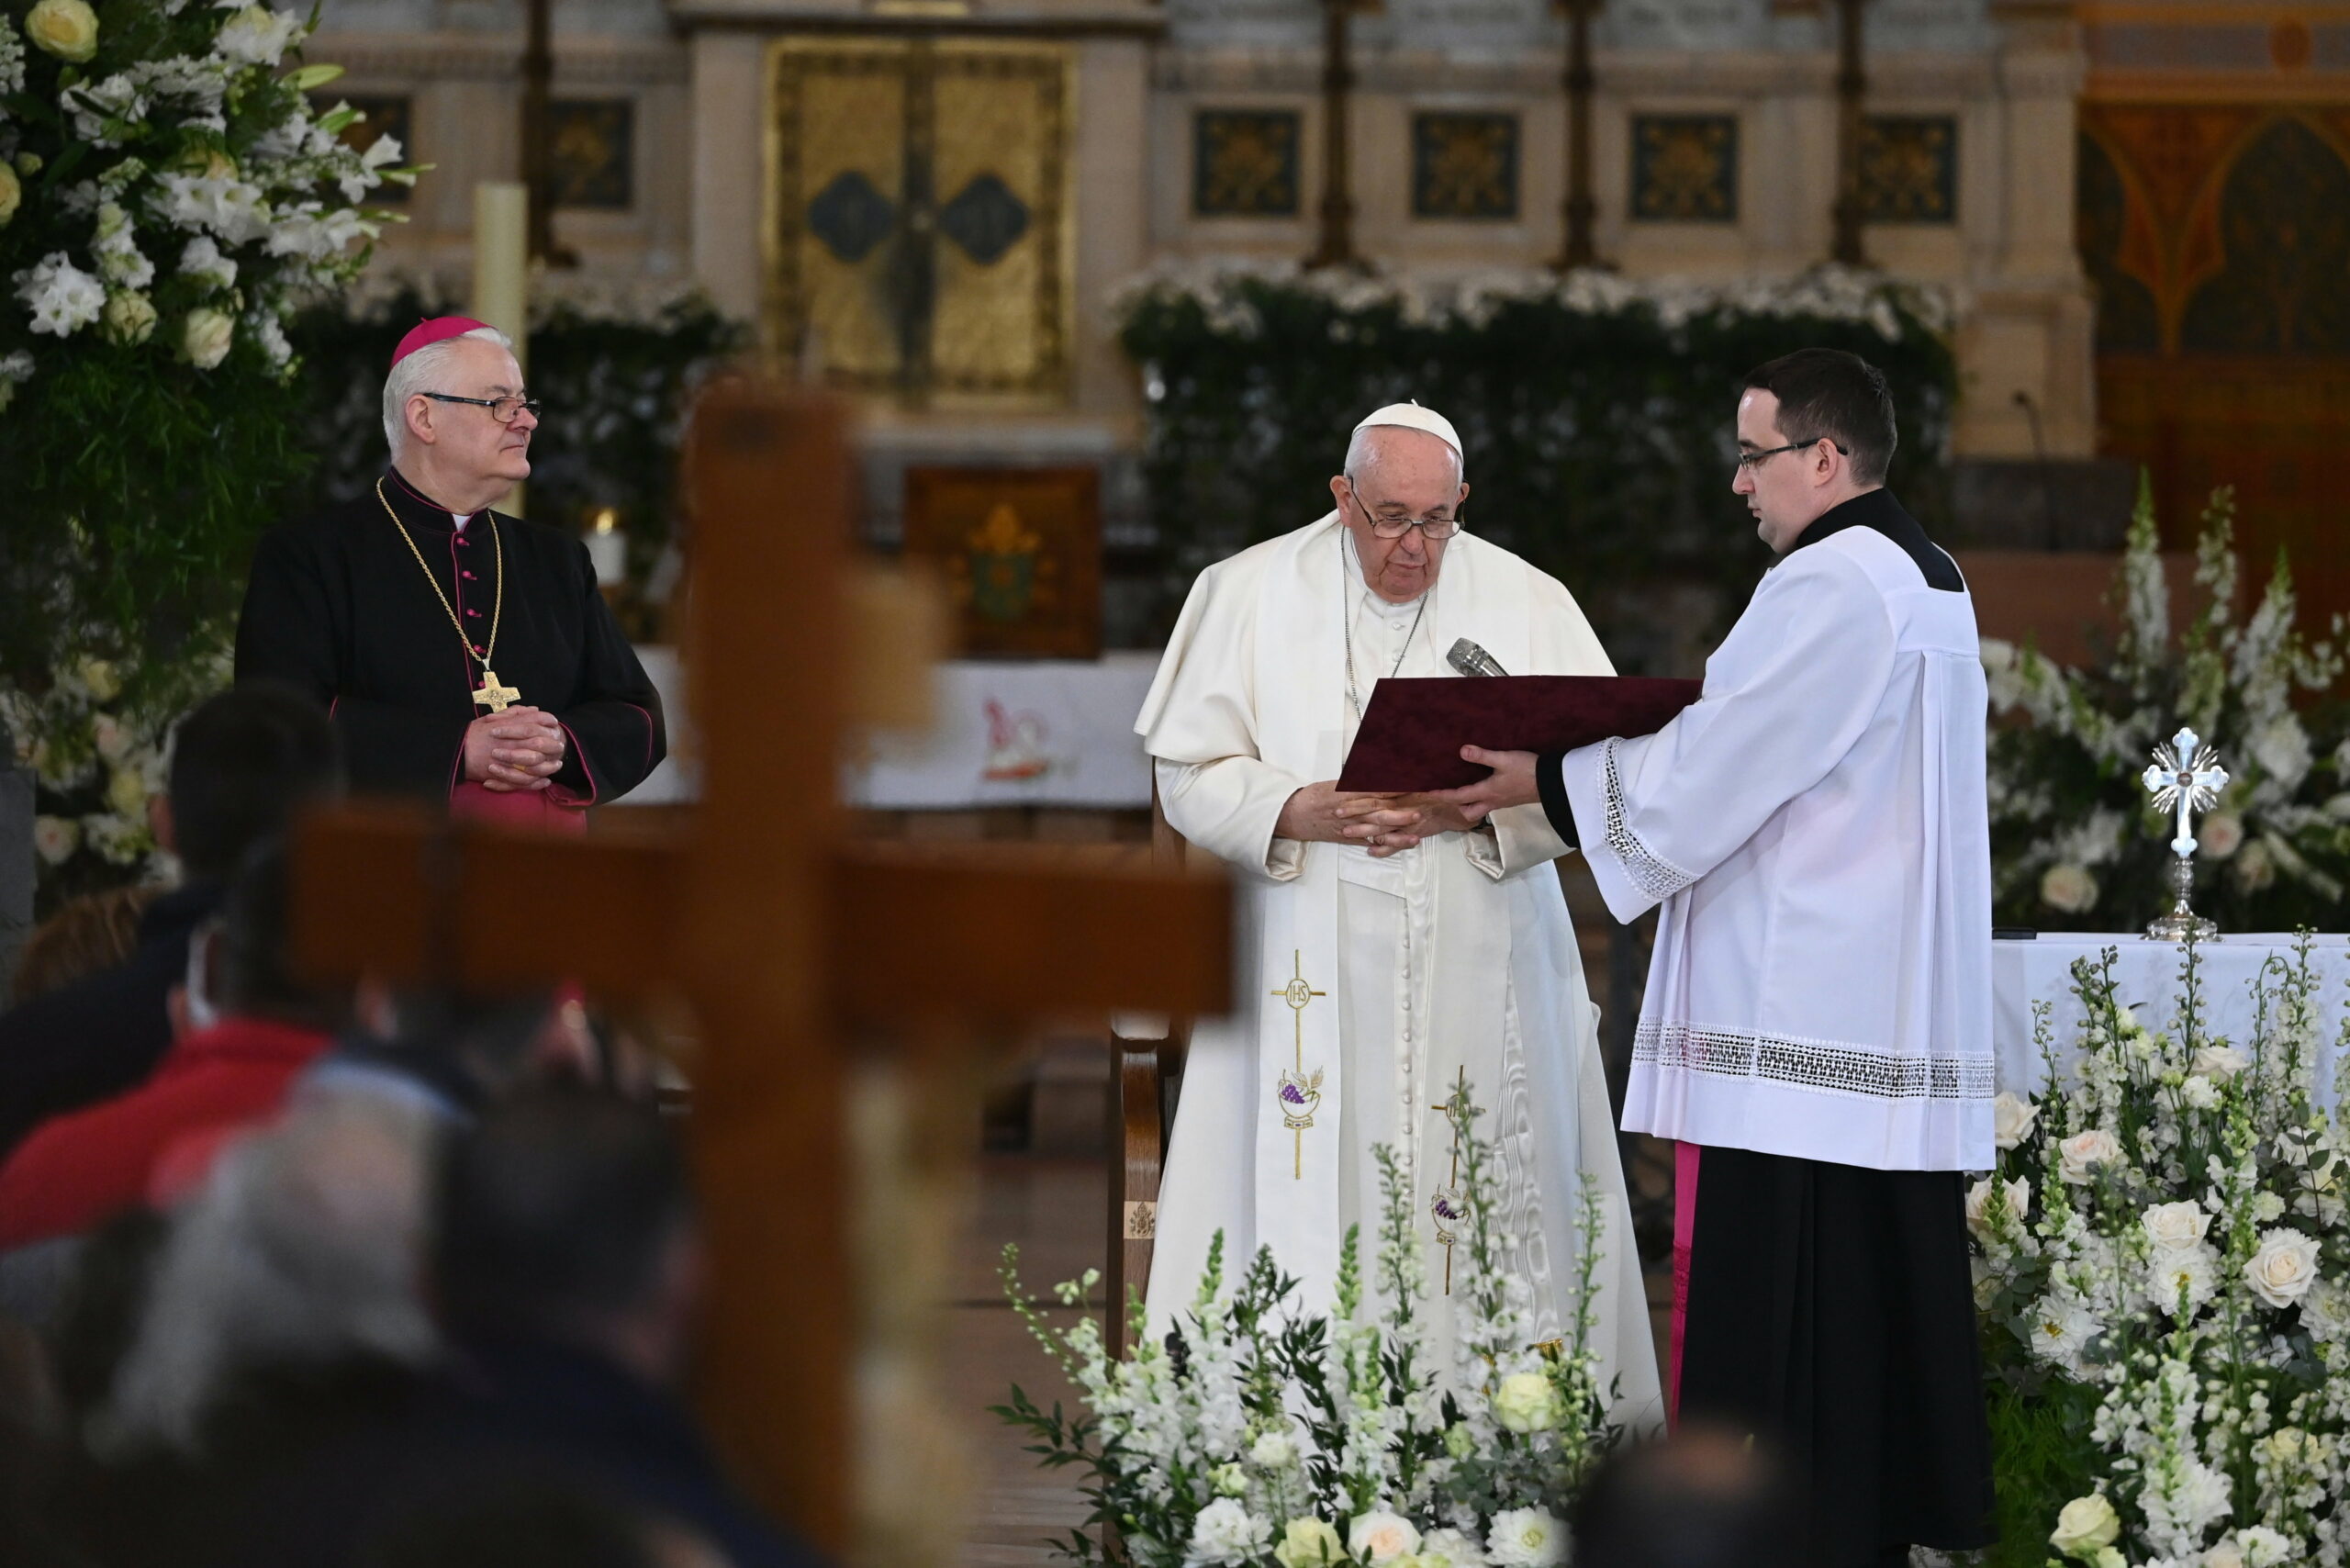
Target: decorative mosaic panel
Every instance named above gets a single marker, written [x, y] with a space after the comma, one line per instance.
[591, 148]
[1464, 165]
[918, 219]
[1684, 168]
[1244, 163]
[392, 116]
[1909, 169]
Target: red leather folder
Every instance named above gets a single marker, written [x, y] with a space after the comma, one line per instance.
[1414, 726]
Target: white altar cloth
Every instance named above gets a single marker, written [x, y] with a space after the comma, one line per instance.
[2041, 969]
[1030, 733]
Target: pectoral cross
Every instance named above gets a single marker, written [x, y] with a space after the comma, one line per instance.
[2185, 775]
[492, 695]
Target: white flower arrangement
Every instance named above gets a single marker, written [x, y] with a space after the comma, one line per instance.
[1220, 286]
[2168, 1269]
[1259, 1436]
[173, 173]
[2277, 845]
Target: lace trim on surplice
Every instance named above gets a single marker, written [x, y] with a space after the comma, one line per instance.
[1826, 1066]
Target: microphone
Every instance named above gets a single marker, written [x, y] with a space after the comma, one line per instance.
[1469, 659]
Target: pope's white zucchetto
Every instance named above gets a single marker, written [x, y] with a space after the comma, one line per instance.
[1412, 417]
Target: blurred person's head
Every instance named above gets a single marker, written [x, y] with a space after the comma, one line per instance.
[299, 1253]
[87, 934]
[1707, 1497]
[471, 1052]
[520, 1520]
[566, 1216]
[241, 961]
[241, 764]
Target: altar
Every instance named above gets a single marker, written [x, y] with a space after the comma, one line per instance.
[2040, 969]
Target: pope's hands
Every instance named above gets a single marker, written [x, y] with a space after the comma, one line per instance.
[1512, 784]
[1318, 814]
[1385, 823]
[520, 749]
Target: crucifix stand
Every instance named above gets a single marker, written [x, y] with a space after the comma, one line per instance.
[786, 938]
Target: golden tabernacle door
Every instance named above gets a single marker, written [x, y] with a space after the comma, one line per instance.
[919, 235]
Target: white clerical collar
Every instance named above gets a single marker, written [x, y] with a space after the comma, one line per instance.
[461, 520]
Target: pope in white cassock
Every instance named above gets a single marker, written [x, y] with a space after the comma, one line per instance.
[1389, 948]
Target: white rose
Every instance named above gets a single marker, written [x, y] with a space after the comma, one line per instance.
[66, 29]
[2255, 867]
[97, 678]
[2222, 833]
[1274, 1451]
[2082, 1152]
[1453, 1547]
[1526, 1403]
[2225, 1554]
[1382, 1537]
[1526, 1538]
[2011, 1119]
[2087, 1524]
[111, 736]
[1309, 1543]
[56, 838]
[129, 317]
[2283, 1270]
[2218, 1062]
[1226, 1532]
[206, 336]
[127, 792]
[12, 193]
[2017, 1194]
[2068, 888]
[2265, 1548]
[2197, 1094]
[2176, 1227]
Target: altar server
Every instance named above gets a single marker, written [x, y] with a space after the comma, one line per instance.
[1819, 1009]
[1395, 949]
[465, 654]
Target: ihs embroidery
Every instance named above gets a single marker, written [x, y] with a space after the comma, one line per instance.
[1298, 1095]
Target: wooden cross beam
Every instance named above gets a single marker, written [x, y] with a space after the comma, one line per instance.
[782, 935]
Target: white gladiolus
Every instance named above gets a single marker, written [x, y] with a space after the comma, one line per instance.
[2017, 1194]
[63, 297]
[2196, 1092]
[201, 261]
[1226, 1533]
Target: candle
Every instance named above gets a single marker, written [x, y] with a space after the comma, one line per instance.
[502, 272]
[608, 547]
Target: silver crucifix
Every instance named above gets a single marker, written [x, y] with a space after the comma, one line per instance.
[2186, 778]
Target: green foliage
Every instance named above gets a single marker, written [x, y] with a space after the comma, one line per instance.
[2040, 1431]
[1597, 429]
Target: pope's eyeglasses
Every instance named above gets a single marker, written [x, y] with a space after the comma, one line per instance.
[1396, 527]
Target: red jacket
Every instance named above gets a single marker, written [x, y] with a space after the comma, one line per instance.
[79, 1169]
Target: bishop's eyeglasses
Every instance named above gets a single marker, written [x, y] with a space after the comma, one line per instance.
[1396, 527]
[503, 410]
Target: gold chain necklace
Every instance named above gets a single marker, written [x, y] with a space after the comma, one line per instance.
[491, 694]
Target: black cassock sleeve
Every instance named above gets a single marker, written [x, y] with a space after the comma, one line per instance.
[294, 630]
[1550, 780]
[618, 733]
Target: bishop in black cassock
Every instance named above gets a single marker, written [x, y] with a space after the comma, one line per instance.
[462, 654]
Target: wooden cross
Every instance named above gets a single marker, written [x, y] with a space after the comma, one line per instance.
[782, 933]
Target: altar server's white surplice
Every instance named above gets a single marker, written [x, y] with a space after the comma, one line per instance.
[1369, 987]
[1814, 828]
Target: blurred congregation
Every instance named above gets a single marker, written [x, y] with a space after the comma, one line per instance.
[298, 1274]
